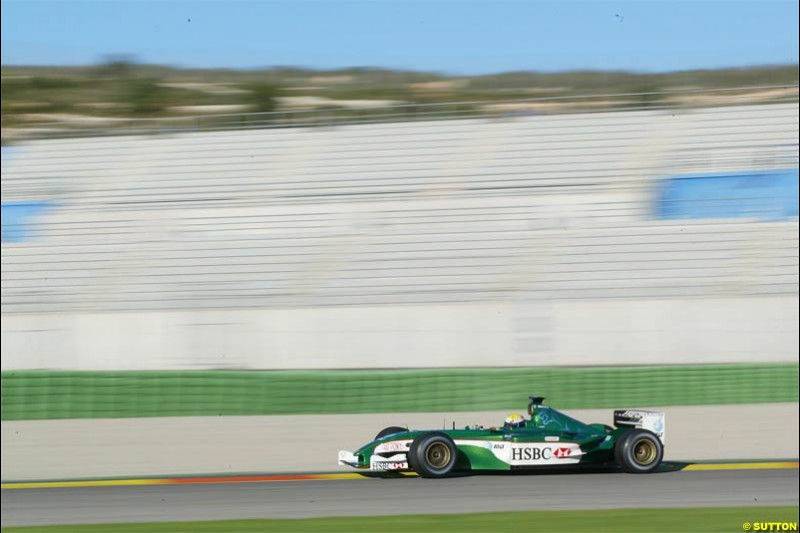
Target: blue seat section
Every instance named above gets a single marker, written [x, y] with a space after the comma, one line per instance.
[767, 194]
[7, 153]
[17, 218]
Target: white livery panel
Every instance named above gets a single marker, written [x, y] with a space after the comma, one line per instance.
[530, 453]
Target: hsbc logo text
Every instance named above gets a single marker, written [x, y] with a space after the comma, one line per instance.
[539, 453]
[531, 454]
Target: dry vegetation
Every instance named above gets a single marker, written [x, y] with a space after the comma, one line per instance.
[37, 98]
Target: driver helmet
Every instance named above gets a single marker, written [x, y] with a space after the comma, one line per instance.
[515, 421]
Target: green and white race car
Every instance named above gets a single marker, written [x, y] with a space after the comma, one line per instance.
[547, 439]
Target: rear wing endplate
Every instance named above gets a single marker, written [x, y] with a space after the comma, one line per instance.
[654, 421]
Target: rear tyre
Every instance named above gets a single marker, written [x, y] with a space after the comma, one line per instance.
[433, 455]
[639, 451]
[391, 430]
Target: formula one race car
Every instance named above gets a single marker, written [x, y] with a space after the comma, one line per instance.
[547, 439]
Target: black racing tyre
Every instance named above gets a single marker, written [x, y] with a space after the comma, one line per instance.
[638, 451]
[411, 464]
[433, 455]
[391, 430]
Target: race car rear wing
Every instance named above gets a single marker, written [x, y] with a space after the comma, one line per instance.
[654, 421]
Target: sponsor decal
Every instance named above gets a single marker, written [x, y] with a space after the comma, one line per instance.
[562, 452]
[389, 465]
[552, 439]
[531, 454]
[393, 446]
[395, 462]
[540, 453]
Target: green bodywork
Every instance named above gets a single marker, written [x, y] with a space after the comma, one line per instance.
[546, 426]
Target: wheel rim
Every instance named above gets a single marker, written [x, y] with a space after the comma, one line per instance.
[644, 452]
[437, 455]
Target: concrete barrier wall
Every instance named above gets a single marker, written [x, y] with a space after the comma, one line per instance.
[521, 333]
[70, 449]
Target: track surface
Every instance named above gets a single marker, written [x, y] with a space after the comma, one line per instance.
[350, 497]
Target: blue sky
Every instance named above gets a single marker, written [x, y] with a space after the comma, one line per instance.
[452, 36]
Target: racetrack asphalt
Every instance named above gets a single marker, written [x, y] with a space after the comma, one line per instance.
[402, 495]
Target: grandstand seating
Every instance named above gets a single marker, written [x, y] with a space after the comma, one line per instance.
[557, 206]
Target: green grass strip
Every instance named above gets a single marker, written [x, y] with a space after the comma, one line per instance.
[31, 395]
[612, 520]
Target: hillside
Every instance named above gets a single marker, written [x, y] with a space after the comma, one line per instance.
[38, 100]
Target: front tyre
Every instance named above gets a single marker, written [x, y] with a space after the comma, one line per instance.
[391, 430]
[639, 451]
[433, 455]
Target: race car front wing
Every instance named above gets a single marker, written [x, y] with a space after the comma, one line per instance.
[377, 463]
